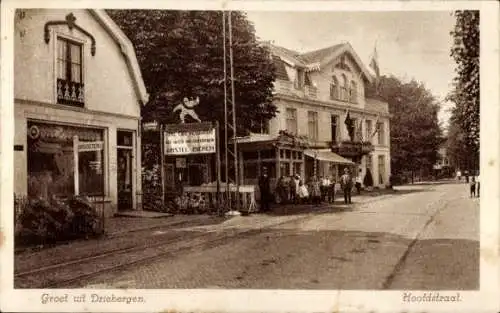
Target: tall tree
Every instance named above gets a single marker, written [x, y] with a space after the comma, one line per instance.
[415, 131]
[181, 55]
[465, 94]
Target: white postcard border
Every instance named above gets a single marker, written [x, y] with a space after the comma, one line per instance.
[486, 299]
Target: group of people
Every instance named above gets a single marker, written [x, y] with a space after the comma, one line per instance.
[292, 189]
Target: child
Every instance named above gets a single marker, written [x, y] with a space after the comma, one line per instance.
[472, 187]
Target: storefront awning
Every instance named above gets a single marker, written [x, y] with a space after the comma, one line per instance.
[327, 156]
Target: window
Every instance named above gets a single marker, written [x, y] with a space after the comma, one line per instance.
[284, 169]
[291, 120]
[369, 130]
[250, 170]
[334, 126]
[344, 95]
[334, 88]
[51, 165]
[353, 92]
[312, 121]
[381, 169]
[299, 80]
[70, 88]
[381, 133]
[297, 168]
[369, 163]
[260, 127]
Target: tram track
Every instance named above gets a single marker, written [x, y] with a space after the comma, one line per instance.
[74, 272]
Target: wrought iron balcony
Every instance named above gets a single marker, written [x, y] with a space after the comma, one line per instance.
[70, 93]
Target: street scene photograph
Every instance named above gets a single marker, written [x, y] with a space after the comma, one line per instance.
[208, 149]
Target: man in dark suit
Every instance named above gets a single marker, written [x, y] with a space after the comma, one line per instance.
[346, 185]
[265, 191]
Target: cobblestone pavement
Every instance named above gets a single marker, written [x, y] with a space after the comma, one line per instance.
[357, 248]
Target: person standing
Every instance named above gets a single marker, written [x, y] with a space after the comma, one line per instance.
[325, 185]
[265, 191]
[472, 187]
[292, 186]
[331, 191]
[346, 185]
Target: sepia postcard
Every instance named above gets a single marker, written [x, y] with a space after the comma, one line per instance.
[250, 156]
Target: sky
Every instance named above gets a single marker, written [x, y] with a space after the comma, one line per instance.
[410, 44]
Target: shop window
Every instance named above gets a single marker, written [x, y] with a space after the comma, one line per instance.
[91, 178]
[271, 168]
[250, 155]
[70, 87]
[51, 166]
[250, 170]
[297, 168]
[285, 169]
[267, 154]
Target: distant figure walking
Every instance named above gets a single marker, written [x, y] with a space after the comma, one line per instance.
[472, 187]
[265, 191]
[346, 185]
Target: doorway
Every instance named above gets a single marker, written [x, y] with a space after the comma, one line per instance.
[124, 170]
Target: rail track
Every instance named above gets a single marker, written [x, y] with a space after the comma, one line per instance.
[74, 272]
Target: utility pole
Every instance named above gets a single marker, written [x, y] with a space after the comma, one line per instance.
[231, 149]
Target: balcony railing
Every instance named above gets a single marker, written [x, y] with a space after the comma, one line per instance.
[288, 88]
[70, 93]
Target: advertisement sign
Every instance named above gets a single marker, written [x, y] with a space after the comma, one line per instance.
[184, 141]
[90, 146]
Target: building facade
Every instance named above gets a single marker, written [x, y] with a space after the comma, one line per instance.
[77, 96]
[324, 116]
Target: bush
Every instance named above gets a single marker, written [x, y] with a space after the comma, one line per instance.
[42, 221]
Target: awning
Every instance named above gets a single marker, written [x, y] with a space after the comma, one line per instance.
[327, 156]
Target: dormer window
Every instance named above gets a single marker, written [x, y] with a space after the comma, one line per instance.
[70, 88]
[299, 80]
[334, 88]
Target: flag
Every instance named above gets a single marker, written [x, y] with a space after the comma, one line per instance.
[375, 131]
[374, 63]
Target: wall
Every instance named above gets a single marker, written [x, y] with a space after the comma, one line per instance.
[108, 84]
[110, 100]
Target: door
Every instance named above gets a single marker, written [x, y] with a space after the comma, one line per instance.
[124, 179]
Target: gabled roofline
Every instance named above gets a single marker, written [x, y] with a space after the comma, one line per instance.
[127, 49]
[347, 48]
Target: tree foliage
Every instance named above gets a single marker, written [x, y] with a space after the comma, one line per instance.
[181, 55]
[415, 131]
[463, 138]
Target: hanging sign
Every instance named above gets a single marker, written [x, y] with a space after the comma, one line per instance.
[194, 138]
[90, 146]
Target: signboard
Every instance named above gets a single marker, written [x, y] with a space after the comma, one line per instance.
[90, 146]
[185, 140]
[150, 126]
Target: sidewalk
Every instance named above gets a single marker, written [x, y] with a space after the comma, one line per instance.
[125, 232]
